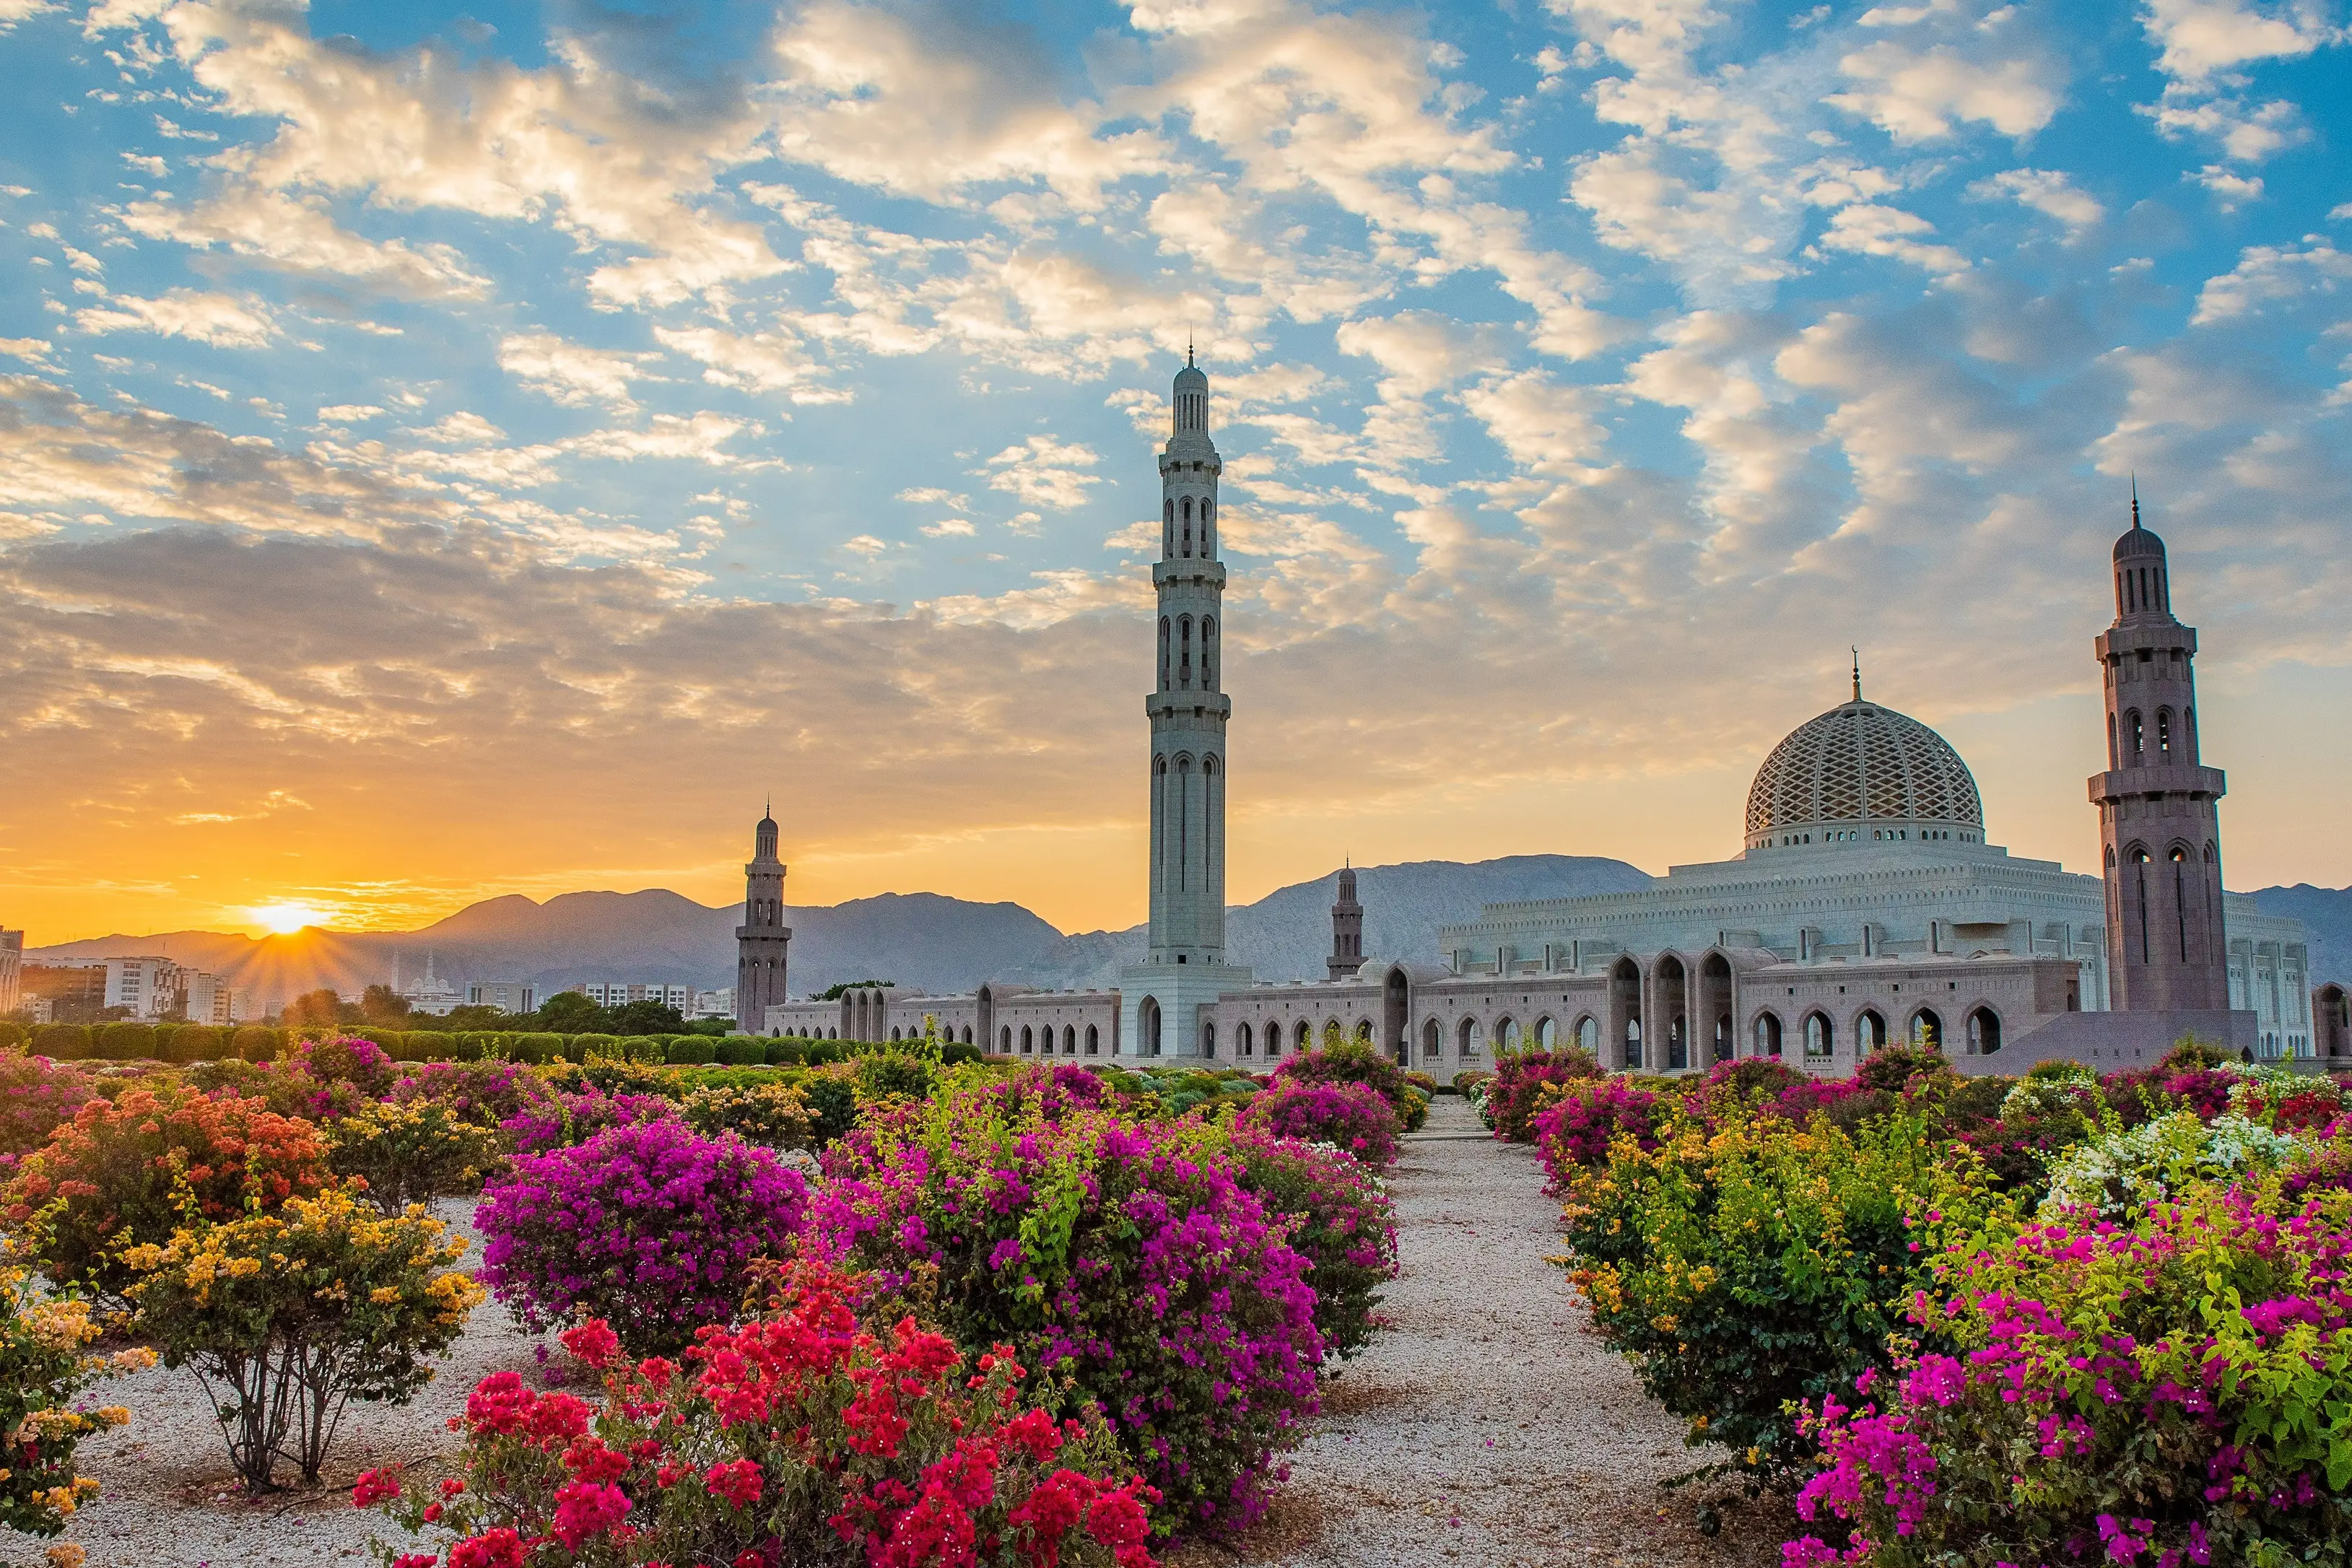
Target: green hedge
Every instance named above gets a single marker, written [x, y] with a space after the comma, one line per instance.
[692, 1053]
[820, 1053]
[255, 1043]
[742, 1051]
[537, 1050]
[12, 1036]
[63, 1042]
[607, 1046]
[787, 1053]
[195, 1043]
[126, 1042]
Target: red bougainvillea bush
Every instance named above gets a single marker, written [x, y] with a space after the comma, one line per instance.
[801, 1439]
[1511, 1099]
[1126, 1262]
[2176, 1389]
[648, 1225]
[1352, 1116]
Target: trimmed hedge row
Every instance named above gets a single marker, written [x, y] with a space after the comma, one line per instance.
[180, 1043]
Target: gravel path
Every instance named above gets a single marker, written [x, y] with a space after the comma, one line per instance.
[1487, 1426]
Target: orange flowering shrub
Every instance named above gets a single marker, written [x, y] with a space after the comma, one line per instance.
[134, 1170]
[803, 1437]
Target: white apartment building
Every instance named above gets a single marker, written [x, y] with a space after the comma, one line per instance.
[208, 998]
[12, 960]
[619, 993]
[506, 995]
[719, 1003]
[143, 987]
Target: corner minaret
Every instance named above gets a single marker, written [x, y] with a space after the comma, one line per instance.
[2158, 819]
[1347, 930]
[1185, 968]
[1188, 707]
[761, 939]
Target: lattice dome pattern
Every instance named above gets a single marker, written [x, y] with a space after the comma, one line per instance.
[1862, 763]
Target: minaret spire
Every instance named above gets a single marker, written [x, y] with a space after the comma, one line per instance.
[1857, 672]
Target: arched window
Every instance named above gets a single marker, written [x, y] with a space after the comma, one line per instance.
[1984, 1032]
[2163, 734]
[1547, 1034]
[967, 1034]
[894, 1031]
[1163, 653]
[1070, 1040]
[1433, 1039]
[1183, 650]
[1820, 1038]
[1588, 1034]
[1185, 515]
[1634, 1044]
[1242, 1039]
[1208, 515]
[1094, 1041]
[1506, 1035]
[1167, 528]
[1927, 1030]
[1148, 1027]
[1208, 652]
[1363, 1030]
[1869, 1033]
[1007, 1043]
[1768, 1035]
[2137, 732]
[1467, 1042]
[1208, 1039]
[1028, 1041]
[1306, 1035]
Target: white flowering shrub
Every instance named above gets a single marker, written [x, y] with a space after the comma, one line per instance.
[2122, 1173]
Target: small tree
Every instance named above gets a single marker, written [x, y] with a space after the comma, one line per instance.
[286, 1317]
[404, 1153]
[381, 1005]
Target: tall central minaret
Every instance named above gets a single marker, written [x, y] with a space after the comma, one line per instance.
[764, 941]
[1167, 1004]
[1188, 709]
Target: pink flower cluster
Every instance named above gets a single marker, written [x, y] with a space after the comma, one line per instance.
[1349, 1116]
[1575, 1131]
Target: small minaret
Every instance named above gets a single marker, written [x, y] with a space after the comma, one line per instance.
[761, 940]
[1347, 930]
[2158, 816]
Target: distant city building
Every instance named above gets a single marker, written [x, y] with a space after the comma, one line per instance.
[142, 987]
[64, 993]
[718, 1004]
[207, 998]
[506, 995]
[431, 994]
[621, 993]
[12, 961]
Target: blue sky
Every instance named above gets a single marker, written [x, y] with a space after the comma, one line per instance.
[729, 397]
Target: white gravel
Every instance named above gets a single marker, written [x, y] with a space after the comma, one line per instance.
[1486, 1426]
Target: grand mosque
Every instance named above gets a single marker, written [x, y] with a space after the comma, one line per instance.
[1865, 905]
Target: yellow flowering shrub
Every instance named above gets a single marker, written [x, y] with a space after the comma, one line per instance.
[285, 1315]
[406, 1154]
[44, 1362]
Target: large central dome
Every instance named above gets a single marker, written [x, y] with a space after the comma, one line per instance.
[1861, 773]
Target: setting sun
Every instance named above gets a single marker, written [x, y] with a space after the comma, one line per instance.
[283, 920]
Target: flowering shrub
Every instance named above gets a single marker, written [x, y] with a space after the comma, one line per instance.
[1894, 1069]
[646, 1224]
[567, 1119]
[362, 1064]
[772, 1115]
[35, 1096]
[1574, 1128]
[285, 1315]
[135, 1169]
[2173, 1389]
[802, 1436]
[405, 1154]
[1124, 1261]
[1349, 1116]
[2042, 1117]
[1341, 1221]
[486, 1093]
[43, 1365]
[1509, 1106]
[2121, 1173]
[1763, 1264]
[1340, 1059]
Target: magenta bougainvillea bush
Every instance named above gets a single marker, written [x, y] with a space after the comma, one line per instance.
[563, 1119]
[1573, 1132]
[1125, 1262]
[1341, 1221]
[645, 1224]
[484, 1092]
[1353, 1117]
[803, 1437]
[2167, 1391]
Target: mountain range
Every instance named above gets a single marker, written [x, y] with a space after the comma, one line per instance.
[931, 942]
[923, 940]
